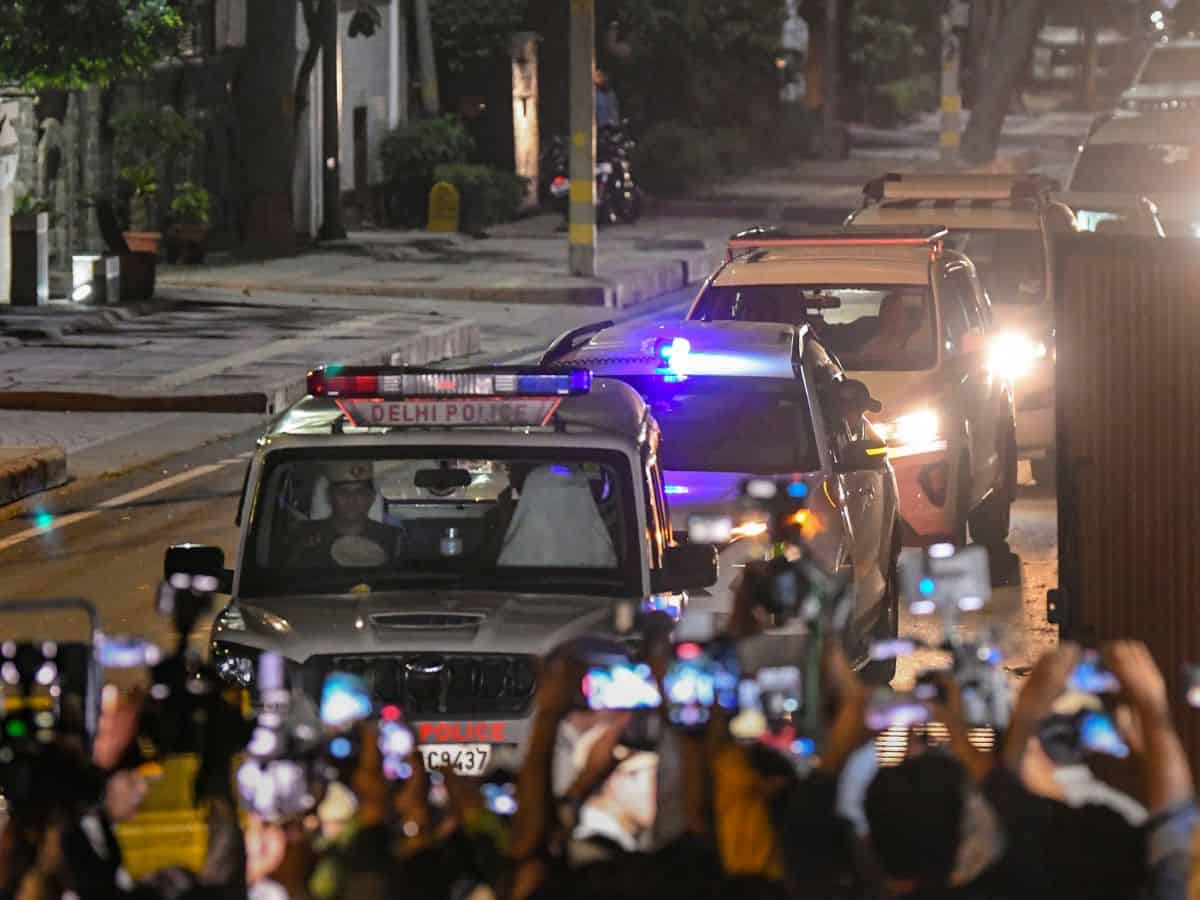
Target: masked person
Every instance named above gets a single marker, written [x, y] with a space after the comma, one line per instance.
[348, 537]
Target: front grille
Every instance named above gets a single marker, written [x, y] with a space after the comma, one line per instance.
[425, 684]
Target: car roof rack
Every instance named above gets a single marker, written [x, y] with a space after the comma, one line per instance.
[956, 186]
[754, 240]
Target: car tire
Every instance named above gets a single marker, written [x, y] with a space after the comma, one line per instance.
[879, 673]
[991, 520]
[1045, 470]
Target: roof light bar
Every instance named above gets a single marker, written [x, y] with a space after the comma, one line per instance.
[763, 238]
[336, 381]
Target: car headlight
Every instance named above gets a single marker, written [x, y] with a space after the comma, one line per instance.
[921, 427]
[1013, 355]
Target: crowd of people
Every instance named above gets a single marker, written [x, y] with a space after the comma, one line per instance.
[690, 813]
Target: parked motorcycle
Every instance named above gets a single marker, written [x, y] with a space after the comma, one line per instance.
[618, 198]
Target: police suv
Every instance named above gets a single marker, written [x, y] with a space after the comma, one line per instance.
[739, 401]
[435, 532]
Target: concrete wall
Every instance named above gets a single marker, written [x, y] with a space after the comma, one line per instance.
[365, 72]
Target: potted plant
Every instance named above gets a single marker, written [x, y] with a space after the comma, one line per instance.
[187, 235]
[142, 180]
[148, 144]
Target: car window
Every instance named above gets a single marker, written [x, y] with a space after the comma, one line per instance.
[330, 522]
[868, 327]
[1011, 263]
[765, 423]
[1167, 65]
[1138, 168]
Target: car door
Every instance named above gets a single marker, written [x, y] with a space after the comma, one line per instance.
[860, 497]
[970, 389]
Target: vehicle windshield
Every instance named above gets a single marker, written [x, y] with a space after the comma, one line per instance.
[765, 424]
[1167, 65]
[870, 327]
[1010, 263]
[333, 522]
[1138, 169]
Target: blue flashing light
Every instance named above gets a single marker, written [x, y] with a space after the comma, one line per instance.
[797, 490]
[671, 353]
[43, 520]
[672, 490]
[803, 747]
[674, 379]
[339, 748]
[926, 586]
[560, 470]
[577, 381]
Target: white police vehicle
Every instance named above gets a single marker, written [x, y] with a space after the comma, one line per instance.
[738, 401]
[435, 532]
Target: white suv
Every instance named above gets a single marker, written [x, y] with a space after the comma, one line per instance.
[1006, 225]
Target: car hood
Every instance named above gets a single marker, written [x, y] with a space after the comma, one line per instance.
[1164, 91]
[901, 392]
[436, 621]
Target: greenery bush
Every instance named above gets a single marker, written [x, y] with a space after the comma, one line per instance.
[416, 149]
[795, 134]
[734, 149]
[487, 196]
[191, 204]
[673, 157]
[899, 101]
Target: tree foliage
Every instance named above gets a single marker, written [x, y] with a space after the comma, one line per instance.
[70, 44]
[470, 30]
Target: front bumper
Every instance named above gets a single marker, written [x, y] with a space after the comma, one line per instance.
[928, 492]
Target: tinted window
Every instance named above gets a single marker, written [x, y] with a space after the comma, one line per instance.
[1138, 168]
[869, 327]
[757, 425]
[1011, 264]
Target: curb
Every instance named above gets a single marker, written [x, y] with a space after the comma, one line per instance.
[619, 292]
[24, 322]
[29, 470]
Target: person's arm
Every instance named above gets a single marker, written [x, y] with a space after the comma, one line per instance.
[536, 817]
[1170, 792]
[978, 763]
[1046, 683]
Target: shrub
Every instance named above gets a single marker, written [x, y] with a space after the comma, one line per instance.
[735, 151]
[488, 196]
[191, 204]
[673, 157]
[796, 134]
[899, 101]
[416, 149]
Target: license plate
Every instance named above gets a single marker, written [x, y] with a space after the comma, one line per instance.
[465, 759]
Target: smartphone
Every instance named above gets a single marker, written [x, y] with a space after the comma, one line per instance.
[779, 690]
[944, 576]
[345, 700]
[622, 685]
[500, 799]
[396, 744]
[698, 679]
[1091, 677]
[128, 653]
[893, 710]
[1098, 734]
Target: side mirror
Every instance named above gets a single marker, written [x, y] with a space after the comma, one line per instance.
[855, 399]
[866, 454]
[198, 559]
[687, 567]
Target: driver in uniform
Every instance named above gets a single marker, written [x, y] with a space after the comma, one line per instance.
[349, 537]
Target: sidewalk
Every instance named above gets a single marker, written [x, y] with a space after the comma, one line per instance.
[183, 346]
[520, 262]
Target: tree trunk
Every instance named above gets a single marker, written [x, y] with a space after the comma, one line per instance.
[331, 178]
[264, 100]
[1009, 64]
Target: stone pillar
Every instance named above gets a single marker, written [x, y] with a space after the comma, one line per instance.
[10, 150]
[525, 112]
